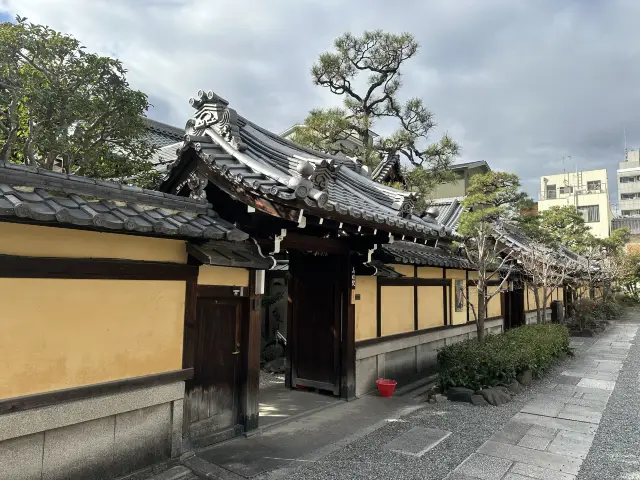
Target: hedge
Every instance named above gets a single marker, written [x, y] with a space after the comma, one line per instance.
[501, 358]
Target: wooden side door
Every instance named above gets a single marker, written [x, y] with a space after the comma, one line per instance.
[318, 290]
[514, 308]
[212, 396]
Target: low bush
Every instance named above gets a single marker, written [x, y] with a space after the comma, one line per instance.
[501, 358]
[590, 313]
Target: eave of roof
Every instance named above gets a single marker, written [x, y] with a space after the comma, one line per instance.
[416, 254]
[257, 161]
[49, 198]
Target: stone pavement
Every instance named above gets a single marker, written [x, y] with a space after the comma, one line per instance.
[552, 434]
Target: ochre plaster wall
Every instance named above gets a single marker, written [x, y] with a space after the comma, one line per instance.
[57, 334]
[396, 305]
[430, 272]
[406, 270]
[430, 307]
[228, 276]
[494, 308]
[366, 307]
[457, 318]
[37, 241]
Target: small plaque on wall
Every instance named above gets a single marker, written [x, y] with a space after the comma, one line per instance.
[357, 296]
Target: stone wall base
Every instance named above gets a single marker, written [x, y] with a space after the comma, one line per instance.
[97, 438]
[406, 357]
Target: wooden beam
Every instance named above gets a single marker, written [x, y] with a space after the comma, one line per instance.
[348, 343]
[410, 282]
[415, 300]
[378, 307]
[250, 370]
[297, 241]
[444, 299]
[190, 333]
[18, 404]
[93, 269]
[222, 291]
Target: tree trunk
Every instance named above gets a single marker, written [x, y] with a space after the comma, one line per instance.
[482, 313]
[536, 295]
[544, 304]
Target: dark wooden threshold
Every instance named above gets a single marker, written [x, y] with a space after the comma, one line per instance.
[377, 341]
[28, 402]
[222, 291]
[93, 268]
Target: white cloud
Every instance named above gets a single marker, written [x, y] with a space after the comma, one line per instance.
[518, 83]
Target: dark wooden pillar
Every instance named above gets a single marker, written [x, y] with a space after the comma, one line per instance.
[348, 343]
[250, 371]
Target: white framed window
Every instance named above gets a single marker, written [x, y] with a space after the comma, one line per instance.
[551, 192]
[590, 213]
[594, 185]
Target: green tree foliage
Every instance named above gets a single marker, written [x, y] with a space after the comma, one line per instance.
[630, 275]
[366, 71]
[492, 198]
[557, 225]
[61, 104]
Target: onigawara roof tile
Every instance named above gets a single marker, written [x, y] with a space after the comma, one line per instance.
[233, 151]
[34, 195]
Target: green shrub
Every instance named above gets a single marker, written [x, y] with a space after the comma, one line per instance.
[502, 357]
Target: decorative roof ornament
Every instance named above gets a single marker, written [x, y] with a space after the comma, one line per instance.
[322, 174]
[300, 182]
[408, 205]
[214, 112]
[197, 184]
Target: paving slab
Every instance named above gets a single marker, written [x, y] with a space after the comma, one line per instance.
[511, 433]
[534, 442]
[571, 444]
[581, 414]
[483, 467]
[542, 407]
[417, 441]
[559, 423]
[607, 385]
[547, 460]
[532, 471]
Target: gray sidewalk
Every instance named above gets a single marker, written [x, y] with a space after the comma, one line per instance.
[552, 434]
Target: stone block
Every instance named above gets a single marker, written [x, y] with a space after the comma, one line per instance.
[81, 451]
[21, 458]
[401, 363]
[417, 441]
[547, 460]
[176, 426]
[142, 438]
[479, 401]
[484, 467]
[495, 396]
[366, 375]
[533, 442]
[525, 378]
[532, 471]
[460, 394]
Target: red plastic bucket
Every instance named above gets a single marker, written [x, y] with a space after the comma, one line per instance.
[386, 387]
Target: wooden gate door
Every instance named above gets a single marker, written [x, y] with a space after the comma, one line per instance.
[318, 290]
[514, 309]
[212, 396]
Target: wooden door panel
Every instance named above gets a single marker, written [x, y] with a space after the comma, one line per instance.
[212, 396]
[317, 284]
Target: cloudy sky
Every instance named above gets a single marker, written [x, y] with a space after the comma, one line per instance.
[521, 84]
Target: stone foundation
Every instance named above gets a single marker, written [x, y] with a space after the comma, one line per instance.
[404, 357]
[532, 318]
[97, 438]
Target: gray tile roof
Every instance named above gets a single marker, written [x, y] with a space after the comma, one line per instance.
[231, 254]
[411, 253]
[45, 197]
[160, 134]
[258, 161]
[449, 211]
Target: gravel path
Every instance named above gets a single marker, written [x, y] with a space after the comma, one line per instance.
[615, 453]
[470, 427]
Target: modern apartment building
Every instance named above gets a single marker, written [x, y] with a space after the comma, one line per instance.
[587, 190]
[629, 185]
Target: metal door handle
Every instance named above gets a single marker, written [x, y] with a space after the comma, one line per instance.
[237, 349]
